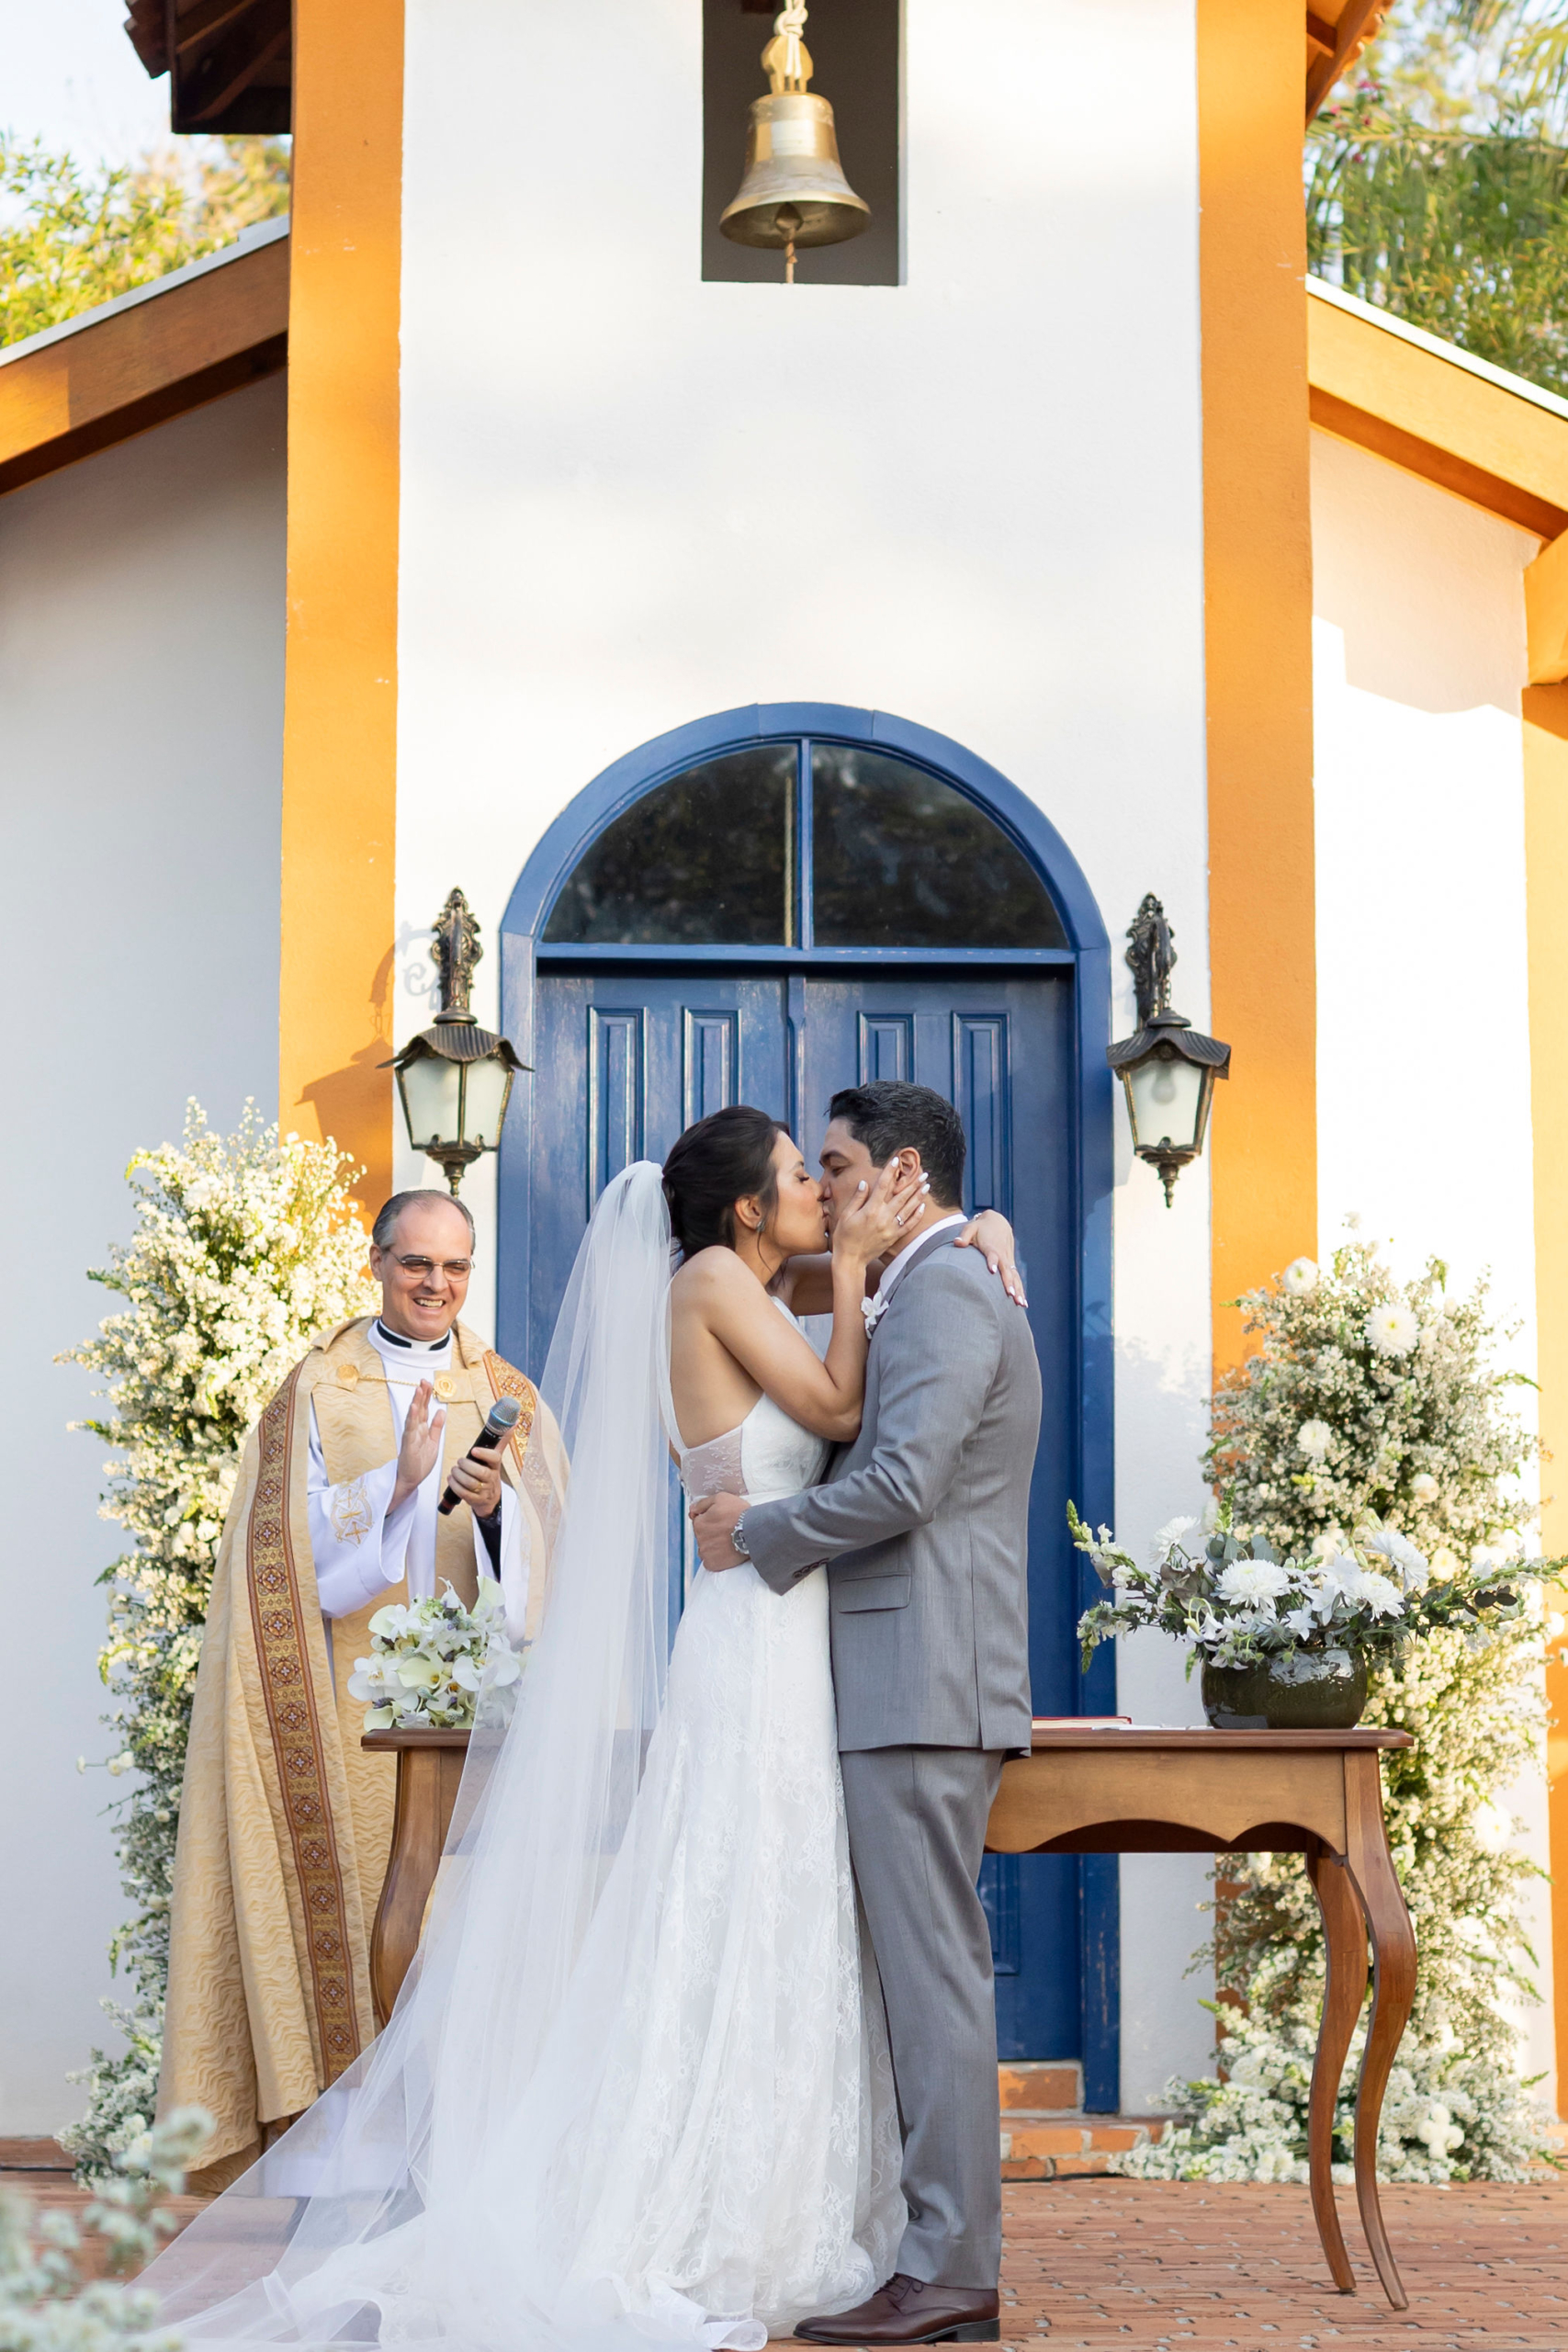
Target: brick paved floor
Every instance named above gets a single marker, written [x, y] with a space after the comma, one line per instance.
[1156, 2264]
[1148, 2265]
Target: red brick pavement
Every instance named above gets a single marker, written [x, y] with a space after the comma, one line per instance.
[1165, 2262]
[1148, 2265]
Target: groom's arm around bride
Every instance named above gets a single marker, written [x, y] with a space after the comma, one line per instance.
[923, 1524]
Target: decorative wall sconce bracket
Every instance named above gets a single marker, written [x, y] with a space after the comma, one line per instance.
[1167, 1070]
[455, 1079]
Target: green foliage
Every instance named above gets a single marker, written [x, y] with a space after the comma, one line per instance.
[245, 1248]
[1437, 181]
[70, 238]
[1408, 1420]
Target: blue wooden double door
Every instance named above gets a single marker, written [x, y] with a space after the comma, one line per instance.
[626, 1055]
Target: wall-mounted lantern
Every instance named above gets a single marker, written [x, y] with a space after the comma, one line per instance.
[455, 1078]
[1168, 1070]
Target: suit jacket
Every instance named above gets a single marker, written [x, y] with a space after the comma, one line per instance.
[924, 1519]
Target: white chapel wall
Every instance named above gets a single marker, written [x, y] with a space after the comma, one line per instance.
[140, 712]
[1424, 1080]
[630, 498]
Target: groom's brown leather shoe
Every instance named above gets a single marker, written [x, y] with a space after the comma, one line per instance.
[909, 2312]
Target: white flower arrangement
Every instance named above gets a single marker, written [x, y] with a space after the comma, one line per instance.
[45, 2303]
[1445, 2117]
[432, 1661]
[1236, 1603]
[245, 1247]
[1424, 1447]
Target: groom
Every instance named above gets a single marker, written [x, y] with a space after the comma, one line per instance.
[923, 1524]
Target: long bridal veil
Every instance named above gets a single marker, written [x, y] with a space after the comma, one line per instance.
[412, 2204]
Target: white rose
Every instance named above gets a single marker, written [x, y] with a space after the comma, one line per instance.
[1423, 1487]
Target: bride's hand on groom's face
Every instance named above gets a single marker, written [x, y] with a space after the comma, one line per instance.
[882, 1211]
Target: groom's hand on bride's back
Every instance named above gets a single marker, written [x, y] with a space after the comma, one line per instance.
[713, 1519]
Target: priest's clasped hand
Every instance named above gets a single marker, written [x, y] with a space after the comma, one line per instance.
[713, 1523]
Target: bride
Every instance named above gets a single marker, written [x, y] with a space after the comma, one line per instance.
[631, 2088]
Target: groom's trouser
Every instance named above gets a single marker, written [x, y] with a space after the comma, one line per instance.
[917, 1822]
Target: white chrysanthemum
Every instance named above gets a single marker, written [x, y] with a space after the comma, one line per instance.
[1392, 1329]
[1423, 1487]
[1313, 1438]
[1299, 1277]
[1166, 1538]
[1250, 1583]
[1412, 1565]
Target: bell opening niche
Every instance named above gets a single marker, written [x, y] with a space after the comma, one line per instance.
[854, 48]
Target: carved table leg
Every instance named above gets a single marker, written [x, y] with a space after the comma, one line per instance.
[1345, 1946]
[1393, 1990]
[419, 1832]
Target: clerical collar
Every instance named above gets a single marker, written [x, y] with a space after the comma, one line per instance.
[383, 1338]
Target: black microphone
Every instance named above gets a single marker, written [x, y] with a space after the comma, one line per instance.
[503, 1419]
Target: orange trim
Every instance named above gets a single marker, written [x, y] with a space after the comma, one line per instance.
[1485, 444]
[1546, 882]
[1258, 597]
[340, 709]
[186, 344]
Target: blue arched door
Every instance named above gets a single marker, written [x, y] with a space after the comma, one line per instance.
[768, 920]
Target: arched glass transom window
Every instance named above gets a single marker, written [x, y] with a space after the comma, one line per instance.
[805, 844]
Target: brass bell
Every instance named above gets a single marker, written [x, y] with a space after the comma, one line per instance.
[793, 191]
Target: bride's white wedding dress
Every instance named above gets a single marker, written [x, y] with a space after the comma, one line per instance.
[699, 2144]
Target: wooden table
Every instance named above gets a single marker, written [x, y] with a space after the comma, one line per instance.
[1313, 1792]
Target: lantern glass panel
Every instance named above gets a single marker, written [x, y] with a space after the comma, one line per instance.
[485, 1099]
[430, 1085]
[1165, 1095]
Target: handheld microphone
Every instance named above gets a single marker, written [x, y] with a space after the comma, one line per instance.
[499, 1424]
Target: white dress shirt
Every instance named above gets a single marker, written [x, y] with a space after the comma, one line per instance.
[360, 1547]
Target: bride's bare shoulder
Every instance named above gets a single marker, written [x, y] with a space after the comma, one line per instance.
[711, 1273]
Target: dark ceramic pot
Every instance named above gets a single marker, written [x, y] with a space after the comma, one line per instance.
[1255, 1698]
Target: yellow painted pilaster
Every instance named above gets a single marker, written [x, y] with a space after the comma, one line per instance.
[340, 715]
[1257, 598]
[1545, 866]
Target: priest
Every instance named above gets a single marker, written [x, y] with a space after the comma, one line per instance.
[284, 1820]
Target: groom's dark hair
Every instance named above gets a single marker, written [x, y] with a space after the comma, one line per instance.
[889, 1115]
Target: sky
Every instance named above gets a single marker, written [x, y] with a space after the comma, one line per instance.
[68, 75]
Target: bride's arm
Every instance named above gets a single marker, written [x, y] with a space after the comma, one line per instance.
[807, 1287]
[823, 1394]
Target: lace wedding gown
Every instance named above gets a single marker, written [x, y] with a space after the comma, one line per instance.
[704, 2146]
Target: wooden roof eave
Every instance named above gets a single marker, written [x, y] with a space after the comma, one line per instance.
[167, 347]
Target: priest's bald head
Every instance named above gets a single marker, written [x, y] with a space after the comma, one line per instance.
[422, 1253]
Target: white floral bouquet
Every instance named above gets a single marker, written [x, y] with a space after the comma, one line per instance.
[430, 1661]
[1311, 1617]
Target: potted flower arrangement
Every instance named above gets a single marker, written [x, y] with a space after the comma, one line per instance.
[430, 1661]
[1286, 1643]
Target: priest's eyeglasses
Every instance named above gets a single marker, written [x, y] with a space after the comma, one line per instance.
[457, 1270]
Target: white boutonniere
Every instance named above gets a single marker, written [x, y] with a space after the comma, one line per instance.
[873, 1310]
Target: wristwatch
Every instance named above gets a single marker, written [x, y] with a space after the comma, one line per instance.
[738, 1537]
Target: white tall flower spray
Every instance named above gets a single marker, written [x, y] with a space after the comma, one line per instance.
[245, 1247]
[1369, 1400]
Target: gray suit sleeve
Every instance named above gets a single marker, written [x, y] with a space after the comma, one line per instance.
[941, 1350]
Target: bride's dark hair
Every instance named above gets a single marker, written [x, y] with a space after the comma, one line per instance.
[714, 1164]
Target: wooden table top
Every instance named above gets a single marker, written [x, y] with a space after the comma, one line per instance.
[1199, 1739]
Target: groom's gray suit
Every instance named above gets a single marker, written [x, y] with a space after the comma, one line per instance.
[924, 1522]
